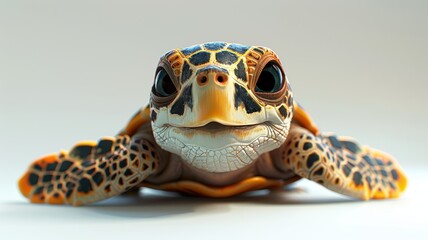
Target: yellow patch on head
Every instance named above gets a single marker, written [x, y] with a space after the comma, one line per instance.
[216, 104]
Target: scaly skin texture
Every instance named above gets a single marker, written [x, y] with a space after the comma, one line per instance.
[342, 165]
[217, 88]
[90, 172]
[221, 121]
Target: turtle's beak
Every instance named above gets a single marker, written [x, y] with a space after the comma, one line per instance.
[214, 102]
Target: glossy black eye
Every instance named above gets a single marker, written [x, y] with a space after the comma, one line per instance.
[270, 79]
[163, 84]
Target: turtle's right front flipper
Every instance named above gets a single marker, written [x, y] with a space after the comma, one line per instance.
[86, 177]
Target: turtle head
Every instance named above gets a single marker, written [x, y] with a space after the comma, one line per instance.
[219, 105]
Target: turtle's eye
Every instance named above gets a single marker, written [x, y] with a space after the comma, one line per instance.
[163, 84]
[270, 79]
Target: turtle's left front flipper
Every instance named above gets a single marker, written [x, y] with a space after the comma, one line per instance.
[83, 177]
[342, 165]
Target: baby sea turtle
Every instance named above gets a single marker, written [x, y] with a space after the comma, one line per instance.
[221, 121]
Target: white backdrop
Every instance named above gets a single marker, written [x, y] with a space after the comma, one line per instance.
[75, 70]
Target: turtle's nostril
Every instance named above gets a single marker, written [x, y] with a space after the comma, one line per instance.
[202, 80]
[215, 78]
[221, 78]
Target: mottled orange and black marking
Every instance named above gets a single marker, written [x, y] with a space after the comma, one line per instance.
[343, 165]
[243, 62]
[90, 172]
